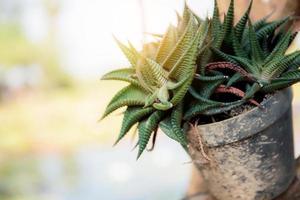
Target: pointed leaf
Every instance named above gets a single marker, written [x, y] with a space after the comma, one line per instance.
[176, 119]
[166, 44]
[126, 74]
[237, 47]
[130, 53]
[289, 76]
[280, 48]
[182, 45]
[182, 90]
[146, 128]
[224, 56]
[185, 63]
[166, 127]
[270, 28]
[235, 78]
[275, 69]
[157, 72]
[247, 65]
[128, 96]
[228, 21]
[240, 26]
[257, 55]
[216, 22]
[277, 85]
[131, 117]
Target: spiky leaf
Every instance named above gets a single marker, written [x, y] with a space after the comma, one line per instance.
[146, 128]
[131, 117]
[126, 74]
[240, 27]
[128, 96]
[176, 119]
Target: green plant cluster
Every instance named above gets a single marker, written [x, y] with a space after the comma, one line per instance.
[197, 66]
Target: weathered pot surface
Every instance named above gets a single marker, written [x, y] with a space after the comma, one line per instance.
[250, 156]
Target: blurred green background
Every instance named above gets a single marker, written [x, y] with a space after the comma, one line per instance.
[52, 54]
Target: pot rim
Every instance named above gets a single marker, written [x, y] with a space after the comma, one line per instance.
[255, 109]
[225, 132]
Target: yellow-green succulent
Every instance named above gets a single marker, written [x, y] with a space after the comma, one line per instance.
[159, 76]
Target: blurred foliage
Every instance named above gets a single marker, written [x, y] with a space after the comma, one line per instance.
[58, 119]
[17, 50]
[16, 177]
[23, 178]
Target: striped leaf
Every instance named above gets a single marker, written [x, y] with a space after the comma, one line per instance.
[240, 26]
[257, 55]
[166, 44]
[275, 69]
[146, 128]
[176, 119]
[132, 116]
[128, 96]
[129, 52]
[126, 74]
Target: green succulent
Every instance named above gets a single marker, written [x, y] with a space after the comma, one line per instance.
[255, 54]
[260, 49]
[187, 71]
[267, 65]
[218, 34]
[159, 77]
[209, 78]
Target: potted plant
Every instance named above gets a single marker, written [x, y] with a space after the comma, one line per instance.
[220, 89]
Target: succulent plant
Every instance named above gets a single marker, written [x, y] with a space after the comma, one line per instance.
[260, 49]
[187, 71]
[255, 54]
[268, 64]
[158, 78]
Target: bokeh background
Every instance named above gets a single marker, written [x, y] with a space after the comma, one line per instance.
[52, 147]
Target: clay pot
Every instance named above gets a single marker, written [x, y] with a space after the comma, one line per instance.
[250, 156]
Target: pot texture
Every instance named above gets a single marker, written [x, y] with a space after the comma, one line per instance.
[250, 156]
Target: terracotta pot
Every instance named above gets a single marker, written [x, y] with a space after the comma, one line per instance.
[250, 156]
